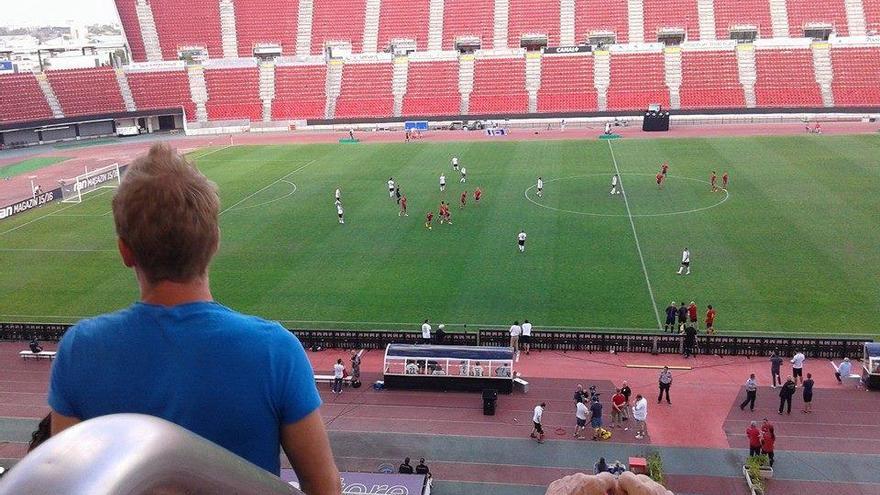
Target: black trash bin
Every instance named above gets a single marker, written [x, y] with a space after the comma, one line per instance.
[490, 397]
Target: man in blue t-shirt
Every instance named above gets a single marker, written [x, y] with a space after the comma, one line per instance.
[245, 385]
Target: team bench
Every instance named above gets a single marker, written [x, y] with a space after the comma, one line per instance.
[37, 355]
[329, 379]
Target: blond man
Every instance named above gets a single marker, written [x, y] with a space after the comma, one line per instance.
[241, 382]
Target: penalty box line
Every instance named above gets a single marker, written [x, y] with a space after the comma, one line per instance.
[276, 181]
[636, 237]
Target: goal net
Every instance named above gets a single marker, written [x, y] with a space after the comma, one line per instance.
[72, 190]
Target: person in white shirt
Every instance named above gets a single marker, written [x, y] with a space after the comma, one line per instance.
[844, 370]
[463, 368]
[426, 332]
[540, 187]
[442, 182]
[797, 367]
[607, 128]
[580, 415]
[640, 414]
[339, 211]
[615, 184]
[477, 370]
[515, 332]
[338, 194]
[454, 163]
[538, 431]
[526, 338]
[391, 187]
[338, 373]
[685, 262]
[412, 368]
[521, 241]
[463, 178]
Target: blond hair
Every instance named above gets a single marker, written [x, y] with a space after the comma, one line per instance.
[166, 211]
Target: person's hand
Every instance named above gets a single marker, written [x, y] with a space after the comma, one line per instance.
[605, 484]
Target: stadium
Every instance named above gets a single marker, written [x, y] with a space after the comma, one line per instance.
[657, 186]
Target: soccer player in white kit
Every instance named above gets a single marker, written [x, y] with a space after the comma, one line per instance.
[338, 194]
[615, 184]
[454, 163]
[540, 187]
[463, 178]
[521, 241]
[685, 262]
[391, 187]
[339, 211]
[442, 182]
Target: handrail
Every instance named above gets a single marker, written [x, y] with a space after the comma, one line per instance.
[135, 454]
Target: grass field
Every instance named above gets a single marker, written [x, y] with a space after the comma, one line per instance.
[29, 165]
[793, 248]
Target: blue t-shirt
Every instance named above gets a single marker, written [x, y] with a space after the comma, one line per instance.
[231, 378]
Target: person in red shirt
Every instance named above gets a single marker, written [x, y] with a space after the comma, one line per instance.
[664, 168]
[477, 194]
[428, 218]
[768, 440]
[442, 211]
[754, 436]
[692, 314]
[463, 199]
[448, 215]
[713, 179]
[724, 179]
[402, 211]
[659, 180]
[618, 405]
[710, 321]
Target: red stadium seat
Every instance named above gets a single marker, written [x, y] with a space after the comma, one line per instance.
[856, 76]
[710, 80]
[300, 92]
[567, 84]
[266, 21]
[86, 91]
[730, 13]
[468, 18]
[132, 28]
[23, 99]
[162, 89]
[786, 79]
[611, 16]
[533, 17]
[191, 23]
[338, 20]
[660, 14]
[637, 80]
[499, 86]
[365, 91]
[803, 12]
[432, 89]
[404, 19]
[233, 94]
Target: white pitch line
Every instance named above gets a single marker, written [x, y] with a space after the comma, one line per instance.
[48, 214]
[60, 250]
[276, 181]
[636, 236]
[211, 152]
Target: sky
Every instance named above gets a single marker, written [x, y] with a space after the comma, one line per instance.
[46, 12]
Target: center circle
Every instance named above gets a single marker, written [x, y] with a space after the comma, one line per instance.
[279, 191]
[681, 194]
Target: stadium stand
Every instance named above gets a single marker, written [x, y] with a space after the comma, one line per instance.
[468, 18]
[612, 16]
[671, 14]
[805, 12]
[366, 91]
[266, 21]
[732, 13]
[102, 94]
[132, 28]
[194, 23]
[432, 89]
[233, 93]
[567, 84]
[856, 76]
[637, 80]
[710, 80]
[403, 19]
[533, 17]
[338, 20]
[786, 79]
[300, 92]
[872, 16]
[163, 89]
[499, 86]
[28, 101]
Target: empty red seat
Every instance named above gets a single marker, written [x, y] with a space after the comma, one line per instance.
[86, 91]
[233, 94]
[366, 91]
[499, 86]
[804, 12]
[786, 79]
[338, 20]
[190, 23]
[611, 15]
[660, 14]
[300, 92]
[856, 76]
[132, 27]
[468, 18]
[162, 89]
[23, 99]
[637, 80]
[266, 21]
[710, 80]
[407, 19]
[533, 17]
[432, 89]
[731, 13]
[567, 84]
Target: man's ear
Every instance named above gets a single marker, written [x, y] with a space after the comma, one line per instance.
[125, 252]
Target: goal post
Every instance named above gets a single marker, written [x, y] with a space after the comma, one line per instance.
[72, 190]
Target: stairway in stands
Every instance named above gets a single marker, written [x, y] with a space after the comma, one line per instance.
[602, 77]
[824, 71]
[435, 25]
[779, 18]
[304, 27]
[533, 79]
[636, 20]
[148, 31]
[267, 88]
[465, 81]
[198, 91]
[567, 36]
[399, 82]
[333, 87]
[49, 93]
[672, 64]
[371, 25]
[502, 17]
[125, 90]
[748, 74]
[227, 29]
[855, 17]
[706, 11]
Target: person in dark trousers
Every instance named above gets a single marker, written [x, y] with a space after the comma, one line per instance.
[768, 440]
[627, 392]
[754, 436]
[35, 346]
[690, 341]
[406, 467]
[422, 468]
[775, 364]
[682, 316]
[355, 366]
[671, 312]
[751, 393]
[579, 394]
[785, 395]
[808, 394]
[665, 381]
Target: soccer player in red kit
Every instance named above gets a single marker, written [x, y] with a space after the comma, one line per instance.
[664, 168]
[463, 199]
[477, 194]
[713, 179]
[692, 314]
[402, 211]
[724, 179]
[710, 320]
[442, 211]
[659, 180]
[428, 218]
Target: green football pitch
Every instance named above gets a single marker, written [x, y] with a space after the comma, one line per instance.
[791, 248]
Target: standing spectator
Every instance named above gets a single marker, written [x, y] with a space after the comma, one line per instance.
[797, 366]
[601, 466]
[692, 315]
[422, 468]
[751, 393]
[785, 395]
[808, 394]
[754, 436]
[515, 332]
[618, 405]
[355, 366]
[627, 392]
[426, 332]
[526, 339]
[710, 320]
[596, 417]
[338, 374]
[640, 414]
[690, 341]
[768, 440]
[775, 366]
[440, 336]
[665, 382]
[538, 432]
[682, 317]
[671, 312]
[844, 370]
[579, 394]
[580, 415]
[406, 467]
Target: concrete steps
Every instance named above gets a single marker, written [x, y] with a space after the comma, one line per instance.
[855, 17]
[333, 87]
[465, 81]
[602, 77]
[435, 25]
[636, 21]
[567, 35]
[49, 93]
[706, 13]
[267, 89]
[305, 14]
[748, 74]
[672, 64]
[502, 18]
[823, 71]
[198, 91]
[398, 83]
[371, 26]
[125, 90]
[533, 79]
[227, 29]
[779, 18]
[149, 34]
